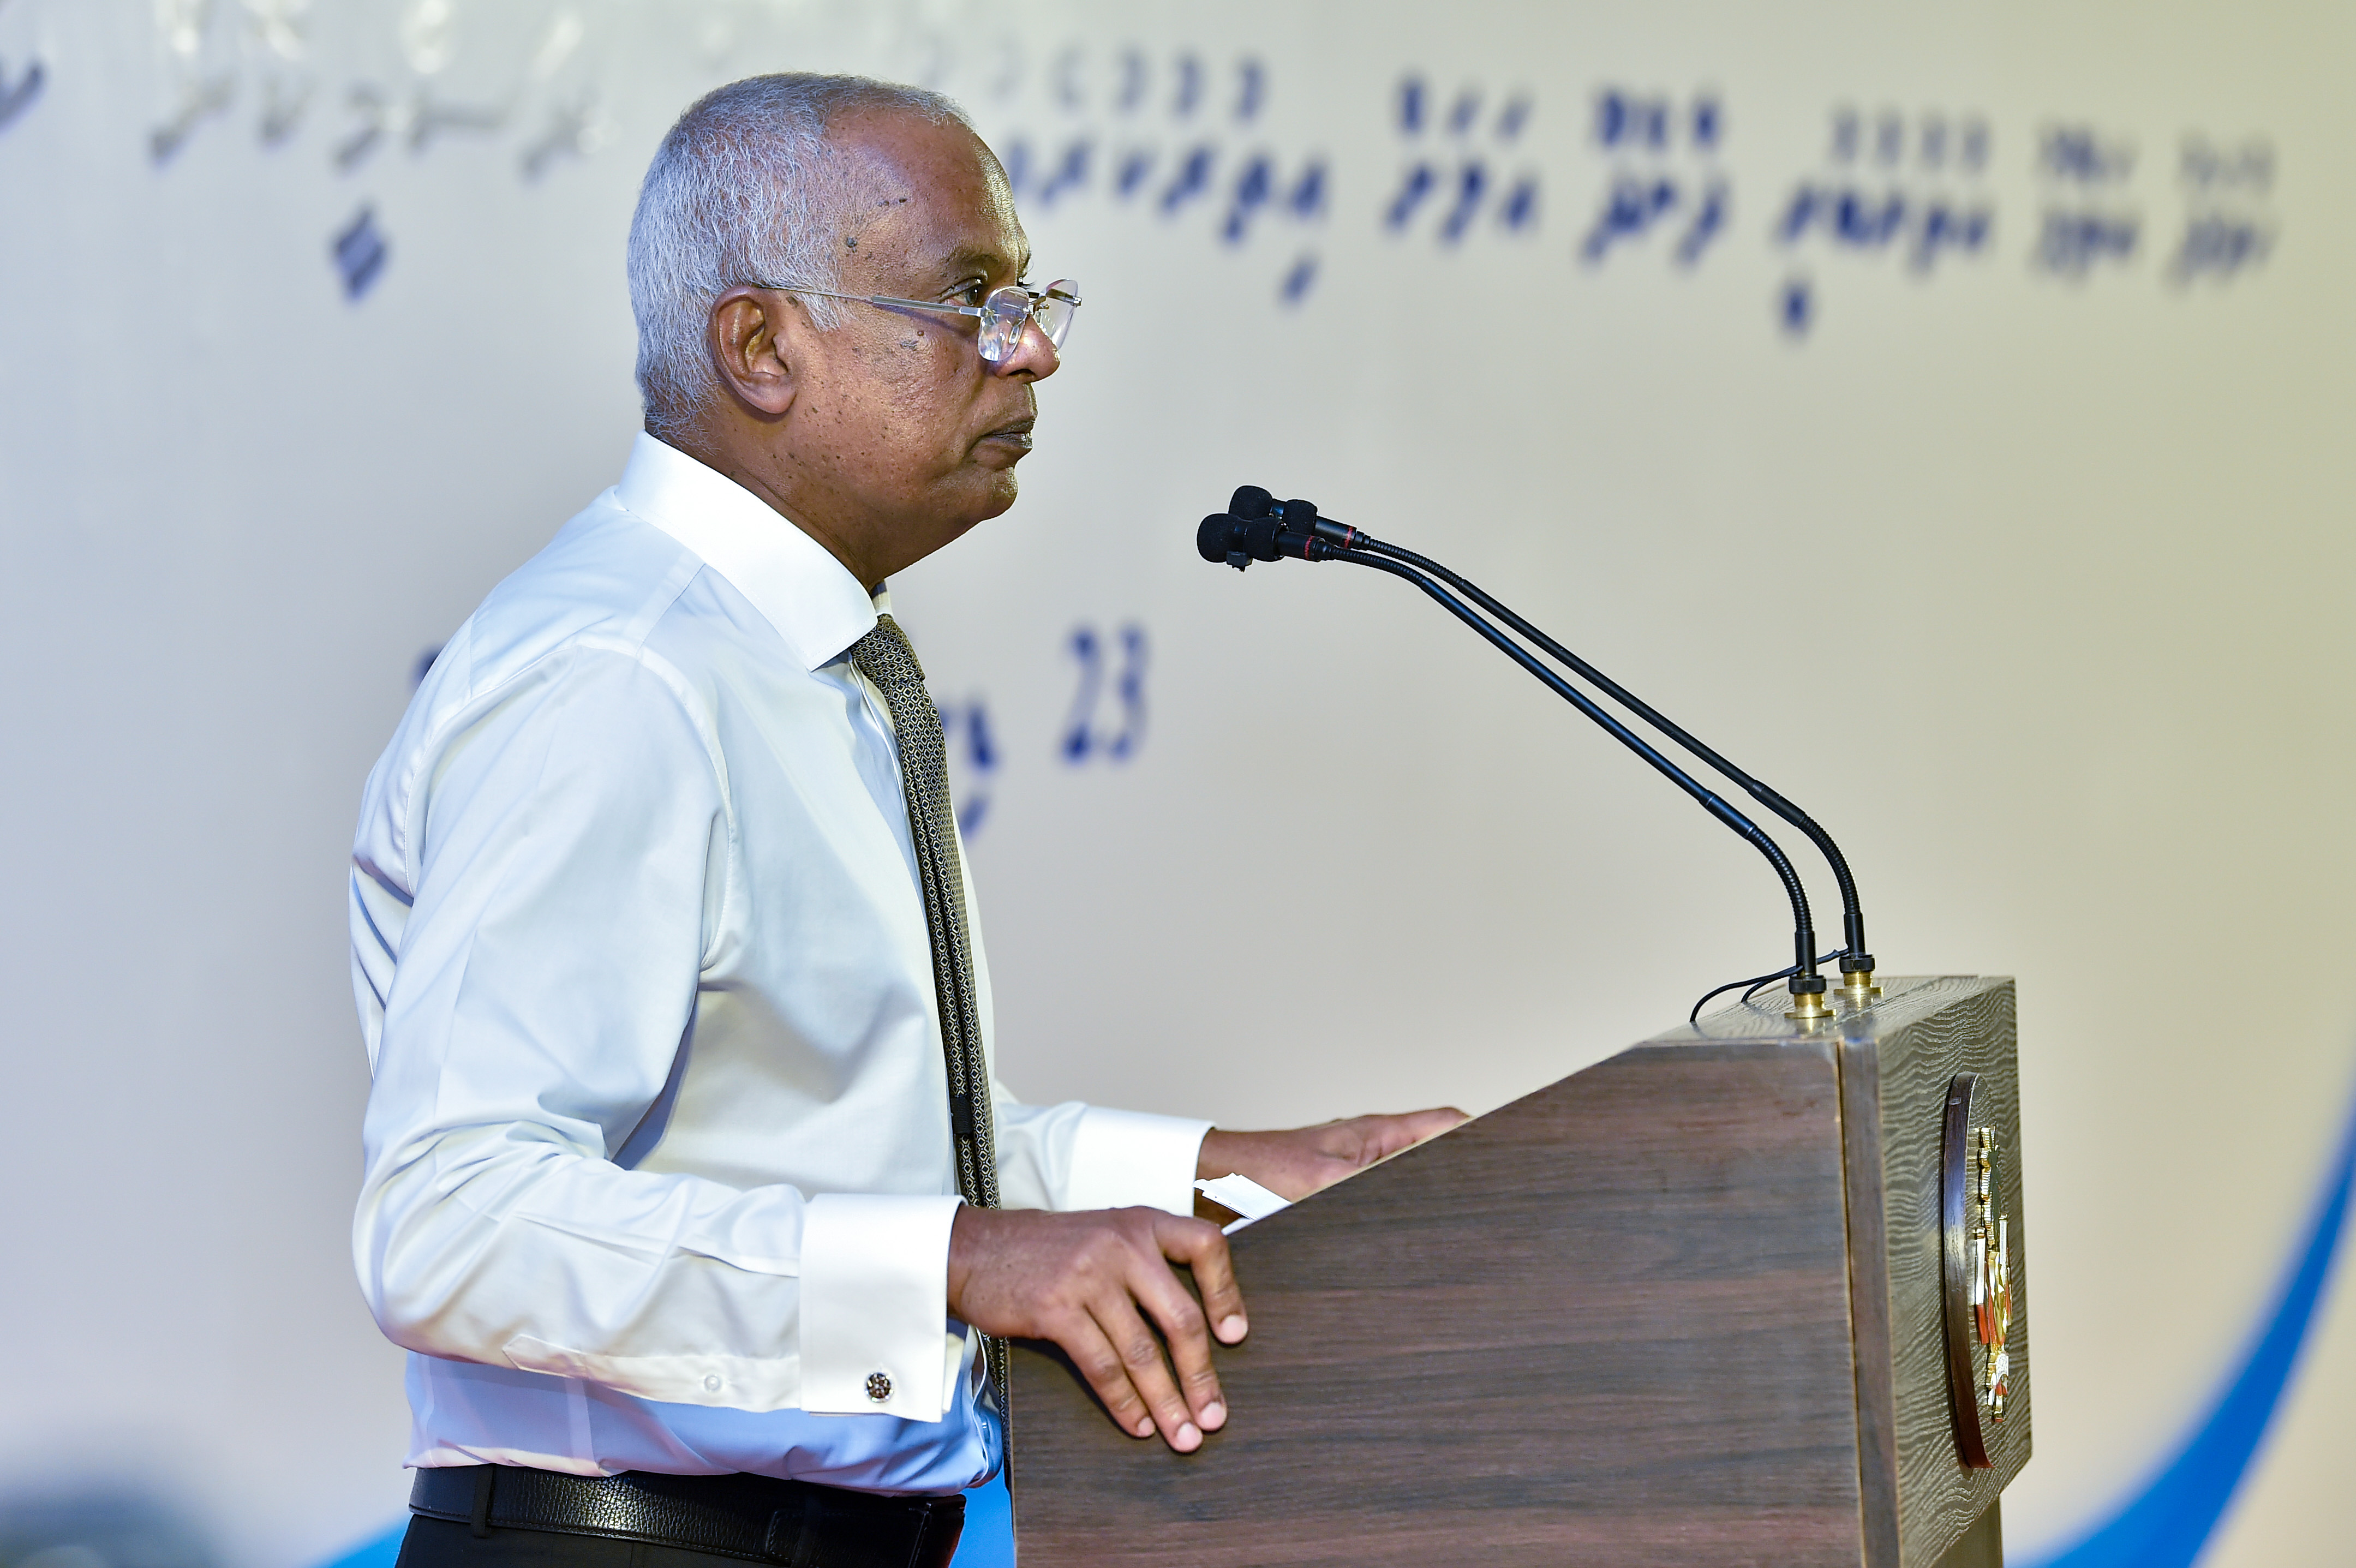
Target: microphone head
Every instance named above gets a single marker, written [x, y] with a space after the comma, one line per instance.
[1216, 537]
[1257, 538]
[1249, 501]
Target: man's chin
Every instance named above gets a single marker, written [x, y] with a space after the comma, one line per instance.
[988, 499]
[1002, 494]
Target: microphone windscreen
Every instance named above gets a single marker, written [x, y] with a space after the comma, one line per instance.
[1258, 538]
[1249, 501]
[1216, 537]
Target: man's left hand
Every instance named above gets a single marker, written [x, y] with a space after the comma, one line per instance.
[1301, 1160]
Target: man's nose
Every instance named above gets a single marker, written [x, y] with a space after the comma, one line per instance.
[1034, 357]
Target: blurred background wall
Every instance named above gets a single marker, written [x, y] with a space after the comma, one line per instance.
[1943, 407]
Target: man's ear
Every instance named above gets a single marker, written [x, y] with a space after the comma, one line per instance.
[746, 334]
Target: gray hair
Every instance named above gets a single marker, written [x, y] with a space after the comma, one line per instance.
[744, 189]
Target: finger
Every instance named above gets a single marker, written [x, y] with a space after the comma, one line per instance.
[1387, 1135]
[1201, 1247]
[1141, 1359]
[1083, 1340]
[1182, 1323]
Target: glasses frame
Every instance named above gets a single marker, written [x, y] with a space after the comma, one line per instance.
[1062, 290]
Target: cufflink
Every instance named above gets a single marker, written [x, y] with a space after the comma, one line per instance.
[879, 1386]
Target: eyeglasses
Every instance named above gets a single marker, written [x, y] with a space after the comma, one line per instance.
[1005, 315]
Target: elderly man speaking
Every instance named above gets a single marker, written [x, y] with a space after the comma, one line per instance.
[690, 1188]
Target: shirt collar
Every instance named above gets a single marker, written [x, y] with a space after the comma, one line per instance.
[817, 606]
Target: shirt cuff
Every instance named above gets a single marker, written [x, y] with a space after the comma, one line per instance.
[1124, 1159]
[874, 1306]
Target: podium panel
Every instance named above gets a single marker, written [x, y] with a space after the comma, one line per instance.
[1683, 1307]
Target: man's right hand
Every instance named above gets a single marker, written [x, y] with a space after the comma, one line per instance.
[1089, 1282]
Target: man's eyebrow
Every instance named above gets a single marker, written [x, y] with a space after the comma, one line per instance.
[972, 258]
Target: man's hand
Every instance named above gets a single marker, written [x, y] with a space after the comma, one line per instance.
[1303, 1160]
[1089, 1281]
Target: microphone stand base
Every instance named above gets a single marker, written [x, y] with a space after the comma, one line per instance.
[1809, 1007]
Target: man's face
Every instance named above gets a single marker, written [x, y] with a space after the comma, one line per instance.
[902, 435]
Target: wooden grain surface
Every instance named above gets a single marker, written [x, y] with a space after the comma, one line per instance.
[1606, 1324]
[1982, 1546]
[1610, 1323]
[1896, 1059]
[1938, 1496]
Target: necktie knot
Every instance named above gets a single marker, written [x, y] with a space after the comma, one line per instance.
[885, 655]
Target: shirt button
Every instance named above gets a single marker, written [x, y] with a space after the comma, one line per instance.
[879, 1386]
[711, 1383]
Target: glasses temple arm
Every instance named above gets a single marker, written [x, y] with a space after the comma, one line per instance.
[874, 299]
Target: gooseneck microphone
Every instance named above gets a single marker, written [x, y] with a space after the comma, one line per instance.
[1857, 959]
[1258, 527]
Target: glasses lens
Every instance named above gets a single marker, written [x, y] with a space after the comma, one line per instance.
[1054, 310]
[1004, 315]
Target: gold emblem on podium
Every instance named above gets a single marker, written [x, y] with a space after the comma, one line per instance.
[1976, 1233]
[1991, 1271]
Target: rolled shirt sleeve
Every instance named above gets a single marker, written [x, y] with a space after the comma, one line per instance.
[1074, 1156]
[1121, 1159]
[875, 1279]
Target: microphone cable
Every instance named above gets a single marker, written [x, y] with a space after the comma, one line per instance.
[1754, 983]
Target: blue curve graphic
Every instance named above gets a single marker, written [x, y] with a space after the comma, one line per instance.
[378, 1552]
[988, 1538]
[2167, 1524]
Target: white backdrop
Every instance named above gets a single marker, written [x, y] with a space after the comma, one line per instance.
[1944, 409]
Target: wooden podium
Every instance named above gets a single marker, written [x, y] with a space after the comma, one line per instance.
[1690, 1306]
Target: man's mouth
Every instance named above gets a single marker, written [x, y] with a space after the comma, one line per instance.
[1014, 433]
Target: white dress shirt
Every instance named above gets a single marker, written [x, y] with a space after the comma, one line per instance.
[658, 1163]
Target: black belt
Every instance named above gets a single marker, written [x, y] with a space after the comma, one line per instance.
[797, 1523]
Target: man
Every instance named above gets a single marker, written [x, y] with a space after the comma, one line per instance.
[688, 1185]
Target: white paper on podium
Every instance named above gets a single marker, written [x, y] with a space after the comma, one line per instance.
[1245, 1195]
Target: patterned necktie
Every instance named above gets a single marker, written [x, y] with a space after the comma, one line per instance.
[883, 656]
